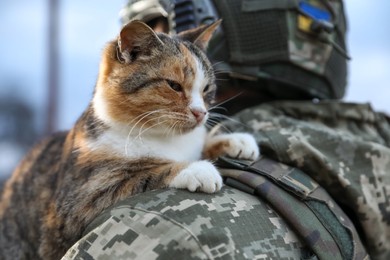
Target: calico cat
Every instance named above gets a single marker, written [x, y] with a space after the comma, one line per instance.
[144, 129]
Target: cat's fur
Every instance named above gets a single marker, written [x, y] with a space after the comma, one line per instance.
[144, 129]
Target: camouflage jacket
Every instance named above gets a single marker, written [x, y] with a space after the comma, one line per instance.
[338, 147]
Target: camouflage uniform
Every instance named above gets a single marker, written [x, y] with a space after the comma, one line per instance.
[285, 212]
[176, 224]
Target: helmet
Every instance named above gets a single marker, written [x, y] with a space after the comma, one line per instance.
[148, 11]
[291, 49]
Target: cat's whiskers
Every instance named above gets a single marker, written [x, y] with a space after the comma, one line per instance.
[226, 100]
[177, 120]
[176, 116]
[141, 131]
[150, 127]
[212, 122]
[221, 72]
[181, 128]
[218, 125]
[216, 63]
[216, 118]
[221, 79]
[217, 73]
[171, 129]
[147, 113]
[141, 117]
[217, 107]
[217, 115]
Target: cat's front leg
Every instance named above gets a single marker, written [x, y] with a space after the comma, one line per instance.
[235, 145]
[198, 176]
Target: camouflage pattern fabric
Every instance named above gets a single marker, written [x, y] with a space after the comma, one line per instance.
[177, 224]
[302, 202]
[344, 147]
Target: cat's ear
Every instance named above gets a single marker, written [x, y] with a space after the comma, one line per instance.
[200, 36]
[136, 40]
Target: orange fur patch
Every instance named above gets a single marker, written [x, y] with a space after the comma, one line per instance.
[215, 150]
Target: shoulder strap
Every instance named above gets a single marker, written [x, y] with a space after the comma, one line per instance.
[310, 210]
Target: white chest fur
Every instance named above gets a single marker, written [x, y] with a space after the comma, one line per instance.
[187, 147]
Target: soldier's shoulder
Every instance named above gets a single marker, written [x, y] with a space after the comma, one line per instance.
[166, 223]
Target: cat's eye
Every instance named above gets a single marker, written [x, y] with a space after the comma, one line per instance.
[175, 86]
[206, 88]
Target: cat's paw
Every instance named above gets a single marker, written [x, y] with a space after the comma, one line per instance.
[243, 146]
[236, 145]
[198, 176]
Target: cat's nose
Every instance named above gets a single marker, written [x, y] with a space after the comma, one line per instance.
[199, 114]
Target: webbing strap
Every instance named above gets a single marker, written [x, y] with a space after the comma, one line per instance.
[292, 179]
[310, 210]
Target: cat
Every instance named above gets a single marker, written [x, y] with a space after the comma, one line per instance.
[144, 129]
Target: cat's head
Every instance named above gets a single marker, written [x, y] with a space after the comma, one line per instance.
[154, 82]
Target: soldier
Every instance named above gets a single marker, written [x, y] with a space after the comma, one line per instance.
[321, 189]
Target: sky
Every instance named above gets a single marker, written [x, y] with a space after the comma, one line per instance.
[85, 26]
[369, 45]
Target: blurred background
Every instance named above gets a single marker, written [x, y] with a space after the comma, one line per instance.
[29, 109]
